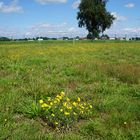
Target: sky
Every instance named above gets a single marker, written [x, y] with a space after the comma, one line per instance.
[57, 18]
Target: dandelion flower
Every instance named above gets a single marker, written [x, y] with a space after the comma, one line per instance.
[61, 110]
[41, 101]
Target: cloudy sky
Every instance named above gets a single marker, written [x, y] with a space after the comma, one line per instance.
[56, 18]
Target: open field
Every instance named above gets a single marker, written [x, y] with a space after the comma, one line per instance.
[106, 73]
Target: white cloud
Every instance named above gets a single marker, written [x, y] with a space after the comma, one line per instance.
[10, 32]
[72, 29]
[63, 29]
[122, 32]
[76, 4]
[132, 30]
[48, 27]
[55, 30]
[120, 27]
[51, 1]
[119, 17]
[10, 8]
[130, 5]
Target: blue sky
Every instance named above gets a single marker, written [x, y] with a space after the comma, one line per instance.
[56, 18]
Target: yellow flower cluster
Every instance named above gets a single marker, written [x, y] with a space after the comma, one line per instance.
[61, 110]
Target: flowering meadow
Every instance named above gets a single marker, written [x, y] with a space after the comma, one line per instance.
[87, 90]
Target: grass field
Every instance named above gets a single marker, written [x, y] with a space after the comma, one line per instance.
[104, 73]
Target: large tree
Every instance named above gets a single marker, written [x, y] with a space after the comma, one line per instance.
[94, 16]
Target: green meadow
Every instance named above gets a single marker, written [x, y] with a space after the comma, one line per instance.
[104, 73]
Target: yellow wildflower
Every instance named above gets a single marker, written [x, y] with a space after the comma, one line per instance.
[74, 103]
[69, 107]
[82, 107]
[61, 110]
[85, 104]
[44, 105]
[52, 115]
[62, 93]
[41, 101]
[51, 103]
[49, 98]
[65, 104]
[75, 113]
[55, 101]
[68, 99]
[58, 99]
[56, 123]
[67, 113]
[78, 99]
[90, 106]
[125, 123]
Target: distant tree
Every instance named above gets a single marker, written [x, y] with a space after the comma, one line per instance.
[53, 38]
[65, 38]
[94, 16]
[45, 38]
[104, 36]
[137, 38]
[90, 36]
[4, 39]
[77, 37]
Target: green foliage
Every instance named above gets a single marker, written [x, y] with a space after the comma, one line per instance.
[94, 16]
[92, 129]
[29, 108]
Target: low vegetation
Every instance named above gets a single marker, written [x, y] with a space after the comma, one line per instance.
[70, 90]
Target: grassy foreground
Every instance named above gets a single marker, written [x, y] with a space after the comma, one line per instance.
[106, 73]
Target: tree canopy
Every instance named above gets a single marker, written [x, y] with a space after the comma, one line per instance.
[94, 16]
